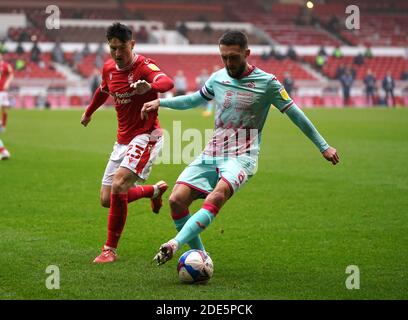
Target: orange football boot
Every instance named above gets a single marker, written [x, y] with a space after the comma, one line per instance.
[156, 201]
[108, 255]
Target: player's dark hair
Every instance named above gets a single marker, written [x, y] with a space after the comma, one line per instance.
[119, 31]
[231, 38]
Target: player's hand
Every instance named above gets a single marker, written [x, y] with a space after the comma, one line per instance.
[141, 86]
[150, 106]
[331, 155]
[85, 120]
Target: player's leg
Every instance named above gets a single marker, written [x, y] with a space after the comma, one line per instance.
[231, 177]
[134, 193]
[105, 196]
[4, 116]
[4, 154]
[137, 159]
[197, 180]
[197, 223]
[203, 217]
[180, 199]
[4, 103]
[1, 116]
[140, 156]
[111, 167]
[123, 180]
[4, 106]
[129, 156]
[154, 192]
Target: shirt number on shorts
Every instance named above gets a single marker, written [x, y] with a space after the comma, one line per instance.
[137, 153]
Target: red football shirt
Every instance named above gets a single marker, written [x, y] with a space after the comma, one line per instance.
[128, 104]
[4, 73]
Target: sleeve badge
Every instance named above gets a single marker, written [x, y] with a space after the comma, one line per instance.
[283, 93]
[153, 67]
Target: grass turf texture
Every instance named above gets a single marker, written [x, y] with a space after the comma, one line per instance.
[289, 233]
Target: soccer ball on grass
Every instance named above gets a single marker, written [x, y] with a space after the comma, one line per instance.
[195, 266]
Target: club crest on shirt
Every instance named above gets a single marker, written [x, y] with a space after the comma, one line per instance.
[228, 99]
[130, 78]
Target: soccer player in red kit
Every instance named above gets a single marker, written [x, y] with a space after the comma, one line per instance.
[131, 80]
[6, 76]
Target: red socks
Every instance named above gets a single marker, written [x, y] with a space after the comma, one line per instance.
[118, 211]
[177, 216]
[4, 119]
[138, 192]
[116, 218]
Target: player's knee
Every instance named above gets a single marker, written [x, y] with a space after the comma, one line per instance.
[176, 202]
[217, 198]
[118, 185]
[105, 202]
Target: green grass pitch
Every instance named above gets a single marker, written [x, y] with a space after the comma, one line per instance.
[290, 233]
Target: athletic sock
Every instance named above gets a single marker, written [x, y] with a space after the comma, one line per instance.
[179, 221]
[138, 192]
[4, 119]
[116, 218]
[197, 223]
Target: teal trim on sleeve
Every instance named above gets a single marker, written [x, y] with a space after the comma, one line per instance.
[302, 121]
[183, 102]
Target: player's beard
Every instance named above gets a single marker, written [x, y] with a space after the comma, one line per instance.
[236, 74]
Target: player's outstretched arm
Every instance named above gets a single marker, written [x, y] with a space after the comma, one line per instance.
[162, 84]
[331, 155]
[98, 99]
[178, 103]
[299, 118]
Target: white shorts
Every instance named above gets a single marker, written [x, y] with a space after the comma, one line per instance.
[138, 156]
[4, 99]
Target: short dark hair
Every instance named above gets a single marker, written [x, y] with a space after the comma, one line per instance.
[231, 38]
[119, 31]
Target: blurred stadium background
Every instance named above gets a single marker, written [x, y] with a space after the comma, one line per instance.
[58, 68]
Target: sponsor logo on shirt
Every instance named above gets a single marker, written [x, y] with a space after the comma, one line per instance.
[123, 98]
[251, 84]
